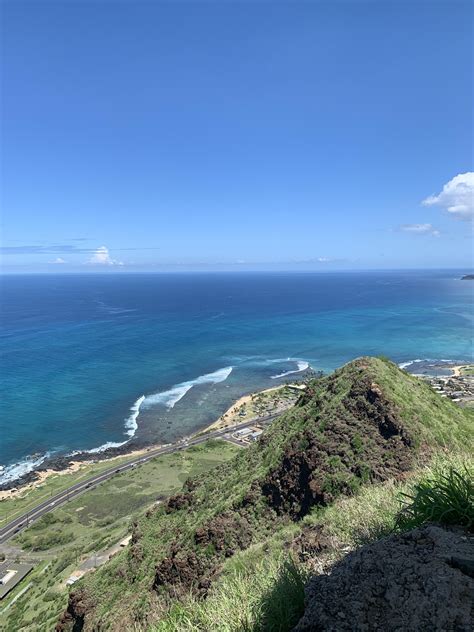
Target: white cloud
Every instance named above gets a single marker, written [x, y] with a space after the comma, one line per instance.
[58, 260]
[457, 197]
[420, 229]
[102, 257]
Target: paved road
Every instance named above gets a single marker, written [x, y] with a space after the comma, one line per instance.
[22, 522]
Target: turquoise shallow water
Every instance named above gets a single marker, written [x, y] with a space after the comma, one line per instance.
[89, 360]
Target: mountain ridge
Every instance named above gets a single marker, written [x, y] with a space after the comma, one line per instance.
[366, 423]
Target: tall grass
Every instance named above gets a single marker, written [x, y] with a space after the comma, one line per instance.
[262, 590]
[446, 498]
[266, 598]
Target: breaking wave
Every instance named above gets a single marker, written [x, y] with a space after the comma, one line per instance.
[301, 364]
[404, 365]
[131, 423]
[17, 470]
[172, 396]
[105, 446]
[167, 398]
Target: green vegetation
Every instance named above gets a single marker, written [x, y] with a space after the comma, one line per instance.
[346, 441]
[94, 521]
[239, 597]
[446, 498]
[10, 508]
[267, 596]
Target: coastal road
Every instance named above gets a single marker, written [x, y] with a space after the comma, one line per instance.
[22, 522]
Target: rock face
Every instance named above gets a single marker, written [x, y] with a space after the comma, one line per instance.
[421, 580]
[363, 440]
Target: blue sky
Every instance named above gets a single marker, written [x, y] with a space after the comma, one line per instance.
[220, 135]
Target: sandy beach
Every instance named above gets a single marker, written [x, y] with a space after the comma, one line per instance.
[457, 370]
[244, 407]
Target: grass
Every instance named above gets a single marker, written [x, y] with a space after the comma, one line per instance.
[268, 596]
[261, 589]
[446, 498]
[96, 520]
[436, 420]
[121, 590]
[10, 508]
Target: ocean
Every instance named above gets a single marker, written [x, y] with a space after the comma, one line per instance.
[94, 360]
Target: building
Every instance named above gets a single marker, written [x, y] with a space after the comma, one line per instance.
[11, 574]
[243, 432]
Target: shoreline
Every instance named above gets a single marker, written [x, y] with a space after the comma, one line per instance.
[64, 464]
[231, 415]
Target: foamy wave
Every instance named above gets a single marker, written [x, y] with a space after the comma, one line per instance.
[104, 446]
[17, 470]
[404, 365]
[302, 366]
[172, 396]
[131, 423]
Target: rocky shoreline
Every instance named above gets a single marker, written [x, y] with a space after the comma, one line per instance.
[60, 463]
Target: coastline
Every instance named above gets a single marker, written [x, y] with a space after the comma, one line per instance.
[233, 414]
[245, 407]
[64, 464]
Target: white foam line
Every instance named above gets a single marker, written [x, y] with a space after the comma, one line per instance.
[403, 365]
[172, 396]
[302, 366]
[105, 446]
[17, 470]
[131, 423]
[167, 398]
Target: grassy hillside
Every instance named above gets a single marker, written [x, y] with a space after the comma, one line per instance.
[367, 423]
[89, 524]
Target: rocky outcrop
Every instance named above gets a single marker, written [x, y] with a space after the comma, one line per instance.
[421, 580]
[72, 619]
[362, 440]
[345, 431]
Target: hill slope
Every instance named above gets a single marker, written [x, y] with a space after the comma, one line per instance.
[365, 423]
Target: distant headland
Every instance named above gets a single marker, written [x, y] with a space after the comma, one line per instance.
[468, 277]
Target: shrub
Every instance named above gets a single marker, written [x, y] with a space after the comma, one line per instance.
[445, 498]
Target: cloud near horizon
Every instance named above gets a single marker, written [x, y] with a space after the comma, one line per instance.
[102, 257]
[58, 260]
[457, 197]
[419, 229]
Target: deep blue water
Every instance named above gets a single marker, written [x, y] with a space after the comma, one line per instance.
[79, 350]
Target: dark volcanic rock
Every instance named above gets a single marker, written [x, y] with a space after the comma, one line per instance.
[403, 582]
[310, 543]
[362, 440]
[181, 570]
[177, 502]
[73, 619]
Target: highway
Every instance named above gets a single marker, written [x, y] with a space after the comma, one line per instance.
[22, 522]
